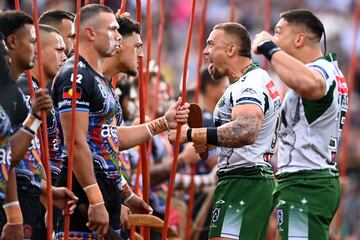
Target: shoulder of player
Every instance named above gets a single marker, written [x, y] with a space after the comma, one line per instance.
[65, 75]
[23, 83]
[322, 65]
[254, 78]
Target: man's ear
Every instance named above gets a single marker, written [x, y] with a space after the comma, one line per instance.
[11, 41]
[299, 40]
[90, 33]
[232, 50]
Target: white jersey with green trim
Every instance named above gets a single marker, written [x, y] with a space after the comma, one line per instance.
[254, 87]
[310, 130]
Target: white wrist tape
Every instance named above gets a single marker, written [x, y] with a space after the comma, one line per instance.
[31, 124]
[148, 129]
[129, 197]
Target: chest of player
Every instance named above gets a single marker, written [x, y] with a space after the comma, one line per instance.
[103, 103]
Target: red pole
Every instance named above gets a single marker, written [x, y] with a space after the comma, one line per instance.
[148, 48]
[46, 156]
[17, 5]
[177, 143]
[144, 166]
[123, 6]
[232, 11]
[73, 116]
[197, 93]
[143, 88]
[158, 59]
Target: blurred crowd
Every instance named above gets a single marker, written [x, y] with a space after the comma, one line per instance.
[337, 17]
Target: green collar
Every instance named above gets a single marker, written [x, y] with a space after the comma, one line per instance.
[329, 57]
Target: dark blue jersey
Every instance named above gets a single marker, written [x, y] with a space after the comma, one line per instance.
[51, 120]
[95, 95]
[5, 151]
[29, 171]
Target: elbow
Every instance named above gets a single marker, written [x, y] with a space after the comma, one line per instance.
[249, 138]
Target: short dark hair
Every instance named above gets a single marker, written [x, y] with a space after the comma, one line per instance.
[242, 35]
[307, 19]
[91, 10]
[48, 29]
[127, 26]
[11, 21]
[55, 16]
[206, 80]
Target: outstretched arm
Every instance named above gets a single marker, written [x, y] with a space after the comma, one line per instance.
[241, 131]
[132, 136]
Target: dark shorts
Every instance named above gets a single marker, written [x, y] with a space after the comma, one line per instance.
[78, 219]
[29, 199]
[31, 211]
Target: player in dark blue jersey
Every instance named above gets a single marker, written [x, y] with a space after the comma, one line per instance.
[12, 148]
[18, 30]
[53, 48]
[125, 61]
[98, 138]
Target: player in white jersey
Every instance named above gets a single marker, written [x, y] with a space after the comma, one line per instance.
[246, 119]
[313, 114]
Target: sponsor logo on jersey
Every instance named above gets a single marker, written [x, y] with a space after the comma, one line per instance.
[108, 131]
[342, 86]
[215, 214]
[267, 156]
[280, 216]
[249, 90]
[81, 64]
[68, 93]
[5, 156]
[273, 92]
[221, 102]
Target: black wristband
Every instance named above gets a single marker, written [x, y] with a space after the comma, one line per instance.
[36, 116]
[211, 136]
[267, 48]
[28, 130]
[188, 134]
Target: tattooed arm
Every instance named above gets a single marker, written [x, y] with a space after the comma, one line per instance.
[242, 130]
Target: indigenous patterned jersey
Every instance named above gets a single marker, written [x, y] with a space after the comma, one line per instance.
[310, 130]
[5, 151]
[254, 87]
[53, 132]
[29, 171]
[94, 94]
